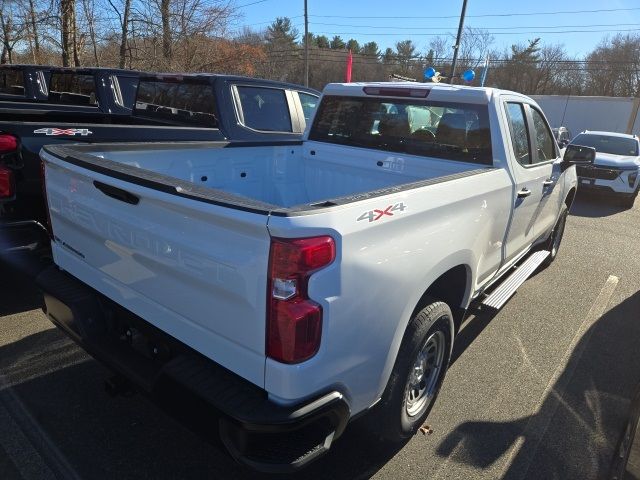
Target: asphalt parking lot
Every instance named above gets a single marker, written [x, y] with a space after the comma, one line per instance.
[540, 390]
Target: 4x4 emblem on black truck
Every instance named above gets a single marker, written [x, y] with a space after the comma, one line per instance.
[64, 131]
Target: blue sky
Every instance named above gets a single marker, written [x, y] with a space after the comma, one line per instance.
[345, 18]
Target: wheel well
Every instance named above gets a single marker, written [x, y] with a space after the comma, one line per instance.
[450, 287]
[570, 196]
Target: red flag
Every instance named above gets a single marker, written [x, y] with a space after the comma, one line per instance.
[349, 65]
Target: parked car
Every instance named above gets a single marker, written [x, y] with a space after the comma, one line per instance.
[616, 166]
[294, 286]
[563, 136]
[63, 106]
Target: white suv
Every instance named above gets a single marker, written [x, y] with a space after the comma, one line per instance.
[615, 168]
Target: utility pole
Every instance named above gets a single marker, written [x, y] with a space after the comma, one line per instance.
[456, 47]
[306, 45]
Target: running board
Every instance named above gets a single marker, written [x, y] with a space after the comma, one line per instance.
[503, 293]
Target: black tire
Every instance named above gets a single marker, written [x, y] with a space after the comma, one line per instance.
[555, 238]
[390, 418]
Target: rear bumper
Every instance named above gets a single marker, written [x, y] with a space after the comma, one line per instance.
[256, 432]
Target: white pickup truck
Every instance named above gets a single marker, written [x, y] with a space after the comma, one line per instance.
[295, 285]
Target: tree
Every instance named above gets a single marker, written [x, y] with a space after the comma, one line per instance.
[613, 68]
[88, 9]
[122, 10]
[353, 45]
[323, 41]
[166, 29]
[33, 31]
[370, 49]
[405, 53]
[282, 33]
[337, 43]
[68, 33]
[389, 56]
[282, 50]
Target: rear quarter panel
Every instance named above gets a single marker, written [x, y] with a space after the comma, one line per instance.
[382, 269]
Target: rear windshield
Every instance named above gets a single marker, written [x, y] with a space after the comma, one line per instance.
[12, 82]
[70, 88]
[451, 131]
[177, 102]
[608, 144]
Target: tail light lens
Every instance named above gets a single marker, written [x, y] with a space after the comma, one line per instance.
[7, 183]
[8, 143]
[294, 322]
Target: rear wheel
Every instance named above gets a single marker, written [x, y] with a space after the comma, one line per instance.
[417, 374]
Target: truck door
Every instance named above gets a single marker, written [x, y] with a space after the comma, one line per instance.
[530, 177]
[546, 156]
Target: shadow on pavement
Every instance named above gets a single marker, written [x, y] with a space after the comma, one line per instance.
[595, 206]
[130, 437]
[575, 431]
[18, 292]
[472, 327]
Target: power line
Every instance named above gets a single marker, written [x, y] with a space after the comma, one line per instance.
[481, 28]
[483, 33]
[252, 3]
[601, 10]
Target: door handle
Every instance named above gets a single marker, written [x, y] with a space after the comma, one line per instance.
[548, 182]
[117, 193]
[525, 192]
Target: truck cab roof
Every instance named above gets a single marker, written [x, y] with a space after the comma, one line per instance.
[434, 91]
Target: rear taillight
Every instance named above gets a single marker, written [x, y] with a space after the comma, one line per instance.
[8, 143]
[294, 322]
[7, 183]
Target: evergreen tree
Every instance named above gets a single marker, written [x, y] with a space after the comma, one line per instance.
[337, 43]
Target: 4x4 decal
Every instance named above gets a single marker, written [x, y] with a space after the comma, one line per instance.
[377, 214]
[64, 131]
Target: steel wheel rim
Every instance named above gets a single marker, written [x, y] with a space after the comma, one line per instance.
[424, 374]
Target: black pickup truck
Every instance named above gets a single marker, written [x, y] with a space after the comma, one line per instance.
[50, 105]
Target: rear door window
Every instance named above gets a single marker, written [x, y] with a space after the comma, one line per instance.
[519, 133]
[177, 102]
[12, 82]
[545, 149]
[70, 88]
[264, 109]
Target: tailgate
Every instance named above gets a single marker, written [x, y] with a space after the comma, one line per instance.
[195, 270]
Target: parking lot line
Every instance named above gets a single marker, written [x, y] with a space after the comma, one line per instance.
[538, 423]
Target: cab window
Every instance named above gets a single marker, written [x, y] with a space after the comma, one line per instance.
[265, 109]
[70, 88]
[519, 133]
[545, 149]
[11, 82]
[309, 103]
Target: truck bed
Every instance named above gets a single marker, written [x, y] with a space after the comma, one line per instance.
[275, 176]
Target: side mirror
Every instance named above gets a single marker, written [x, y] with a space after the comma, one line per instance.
[578, 155]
